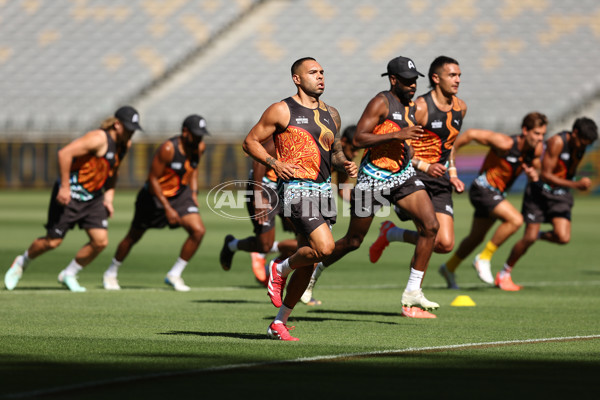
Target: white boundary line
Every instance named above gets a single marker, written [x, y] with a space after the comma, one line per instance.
[231, 367]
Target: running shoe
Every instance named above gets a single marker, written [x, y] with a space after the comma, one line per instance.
[280, 332]
[110, 283]
[14, 273]
[381, 242]
[276, 284]
[416, 312]
[505, 282]
[177, 283]
[484, 270]
[226, 255]
[258, 267]
[417, 298]
[448, 276]
[70, 281]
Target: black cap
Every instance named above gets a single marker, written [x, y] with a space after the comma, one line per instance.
[403, 67]
[196, 125]
[129, 117]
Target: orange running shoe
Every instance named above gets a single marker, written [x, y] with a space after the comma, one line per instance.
[381, 243]
[416, 312]
[280, 332]
[505, 282]
[258, 267]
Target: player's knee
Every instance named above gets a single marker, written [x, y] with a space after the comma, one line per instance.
[53, 243]
[517, 221]
[430, 227]
[198, 233]
[563, 238]
[324, 250]
[99, 244]
[443, 247]
[353, 242]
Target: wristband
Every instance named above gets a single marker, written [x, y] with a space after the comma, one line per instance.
[452, 172]
[423, 166]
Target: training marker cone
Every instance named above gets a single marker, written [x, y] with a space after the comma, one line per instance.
[463, 301]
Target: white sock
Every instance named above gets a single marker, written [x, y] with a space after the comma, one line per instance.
[233, 245]
[414, 280]
[395, 234]
[283, 315]
[113, 268]
[73, 268]
[26, 259]
[506, 270]
[318, 271]
[178, 267]
[275, 247]
[283, 268]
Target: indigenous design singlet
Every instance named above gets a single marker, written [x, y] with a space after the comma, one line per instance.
[178, 172]
[306, 143]
[89, 173]
[441, 131]
[388, 165]
[500, 172]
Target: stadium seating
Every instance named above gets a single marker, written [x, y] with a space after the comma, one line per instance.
[65, 63]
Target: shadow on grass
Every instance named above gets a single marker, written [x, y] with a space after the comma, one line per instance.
[228, 301]
[252, 336]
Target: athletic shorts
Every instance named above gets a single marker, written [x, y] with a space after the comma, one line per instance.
[366, 203]
[440, 193]
[150, 213]
[276, 209]
[86, 214]
[542, 203]
[484, 199]
[307, 213]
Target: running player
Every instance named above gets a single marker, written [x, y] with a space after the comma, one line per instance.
[263, 207]
[82, 195]
[507, 158]
[549, 200]
[441, 114]
[305, 133]
[169, 197]
[386, 176]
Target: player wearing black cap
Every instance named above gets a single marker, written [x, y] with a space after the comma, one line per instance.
[83, 195]
[441, 114]
[168, 198]
[387, 177]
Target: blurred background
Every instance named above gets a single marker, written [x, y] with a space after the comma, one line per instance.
[65, 65]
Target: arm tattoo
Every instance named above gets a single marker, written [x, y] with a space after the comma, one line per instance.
[337, 157]
[270, 162]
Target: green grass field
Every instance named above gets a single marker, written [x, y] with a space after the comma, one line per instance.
[148, 341]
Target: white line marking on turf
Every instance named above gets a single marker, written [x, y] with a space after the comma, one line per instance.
[231, 367]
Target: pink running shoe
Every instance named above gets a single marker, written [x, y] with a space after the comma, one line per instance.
[381, 243]
[280, 332]
[505, 282]
[416, 312]
[258, 267]
[276, 284]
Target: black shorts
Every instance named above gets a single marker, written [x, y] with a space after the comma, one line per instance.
[484, 199]
[366, 203]
[541, 204]
[150, 213]
[308, 213]
[440, 193]
[86, 214]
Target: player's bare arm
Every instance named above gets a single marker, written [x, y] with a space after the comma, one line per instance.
[498, 141]
[164, 156]
[551, 158]
[274, 119]
[93, 142]
[374, 113]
